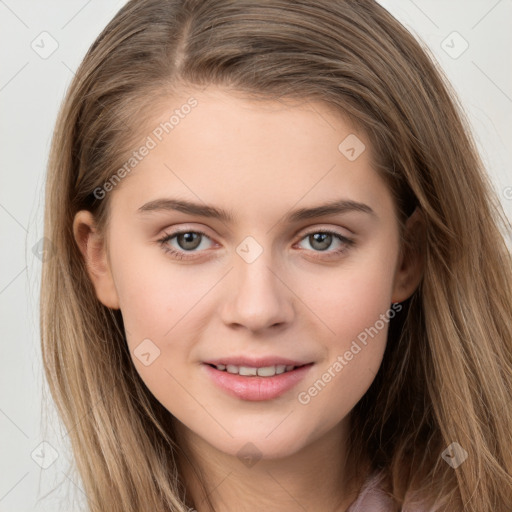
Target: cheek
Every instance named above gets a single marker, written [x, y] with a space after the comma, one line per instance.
[163, 307]
[159, 303]
[153, 293]
[355, 304]
[351, 298]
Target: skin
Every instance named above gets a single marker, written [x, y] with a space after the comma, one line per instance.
[257, 160]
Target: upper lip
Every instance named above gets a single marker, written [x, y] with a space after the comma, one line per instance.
[259, 362]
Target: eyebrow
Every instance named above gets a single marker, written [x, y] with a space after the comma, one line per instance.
[203, 210]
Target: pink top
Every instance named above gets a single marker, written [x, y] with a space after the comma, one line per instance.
[372, 498]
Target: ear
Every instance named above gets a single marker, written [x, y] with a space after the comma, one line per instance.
[410, 266]
[93, 248]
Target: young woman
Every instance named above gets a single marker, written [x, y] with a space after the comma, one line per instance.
[280, 278]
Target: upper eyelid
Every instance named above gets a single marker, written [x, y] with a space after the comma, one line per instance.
[302, 233]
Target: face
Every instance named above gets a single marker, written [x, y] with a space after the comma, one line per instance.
[224, 267]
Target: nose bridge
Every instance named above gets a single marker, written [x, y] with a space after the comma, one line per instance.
[259, 298]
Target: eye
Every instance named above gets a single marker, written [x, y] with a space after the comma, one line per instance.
[321, 240]
[187, 240]
[190, 241]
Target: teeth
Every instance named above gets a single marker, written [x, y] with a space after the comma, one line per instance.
[266, 371]
[247, 371]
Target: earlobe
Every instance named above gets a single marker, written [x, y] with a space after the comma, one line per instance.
[411, 262]
[93, 249]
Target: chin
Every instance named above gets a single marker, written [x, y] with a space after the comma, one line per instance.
[254, 444]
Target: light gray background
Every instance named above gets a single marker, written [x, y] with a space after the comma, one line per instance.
[31, 89]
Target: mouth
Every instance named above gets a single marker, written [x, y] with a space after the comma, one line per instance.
[256, 382]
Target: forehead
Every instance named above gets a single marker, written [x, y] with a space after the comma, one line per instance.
[223, 148]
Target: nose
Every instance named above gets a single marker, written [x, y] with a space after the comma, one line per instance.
[259, 297]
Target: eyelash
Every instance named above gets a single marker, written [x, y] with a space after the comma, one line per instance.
[180, 255]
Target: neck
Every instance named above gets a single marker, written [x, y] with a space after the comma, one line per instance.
[314, 478]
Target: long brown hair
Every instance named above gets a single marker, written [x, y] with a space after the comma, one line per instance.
[447, 372]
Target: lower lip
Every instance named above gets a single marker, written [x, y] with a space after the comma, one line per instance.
[256, 388]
